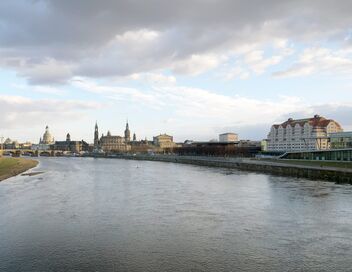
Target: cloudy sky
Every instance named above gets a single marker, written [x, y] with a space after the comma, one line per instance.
[190, 68]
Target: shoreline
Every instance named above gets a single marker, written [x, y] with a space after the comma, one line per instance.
[279, 168]
[11, 167]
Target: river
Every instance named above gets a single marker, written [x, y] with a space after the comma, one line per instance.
[85, 214]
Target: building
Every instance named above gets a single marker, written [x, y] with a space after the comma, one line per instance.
[127, 133]
[341, 140]
[320, 155]
[143, 146]
[10, 144]
[164, 141]
[249, 143]
[70, 146]
[96, 137]
[243, 148]
[25, 146]
[264, 145]
[228, 137]
[302, 134]
[111, 143]
[40, 147]
[47, 137]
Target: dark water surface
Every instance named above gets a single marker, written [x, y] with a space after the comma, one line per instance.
[87, 214]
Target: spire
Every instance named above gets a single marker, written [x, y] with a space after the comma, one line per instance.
[96, 136]
[127, 133]
[127, 126]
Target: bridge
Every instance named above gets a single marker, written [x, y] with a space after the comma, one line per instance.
[33, 153]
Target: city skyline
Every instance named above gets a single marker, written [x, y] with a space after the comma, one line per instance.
[194, 75]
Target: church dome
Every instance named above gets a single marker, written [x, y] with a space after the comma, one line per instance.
[47, 137]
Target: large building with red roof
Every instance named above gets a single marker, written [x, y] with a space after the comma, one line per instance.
[302, 134]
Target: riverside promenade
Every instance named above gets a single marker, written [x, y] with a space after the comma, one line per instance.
[276, 167]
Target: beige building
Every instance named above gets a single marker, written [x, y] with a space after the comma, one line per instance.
[111, 143]
[228, 137]
[164, 141]
[302, 134]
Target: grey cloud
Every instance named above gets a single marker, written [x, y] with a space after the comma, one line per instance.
[79, 33]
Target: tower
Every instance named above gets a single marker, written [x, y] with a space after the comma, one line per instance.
[96, 136]
[68, 137]
[134, 137]
[127, 133]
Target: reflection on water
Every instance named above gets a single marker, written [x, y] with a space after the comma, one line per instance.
[97, 215]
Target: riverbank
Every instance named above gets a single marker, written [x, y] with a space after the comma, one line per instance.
[282, 168]
[10, 167]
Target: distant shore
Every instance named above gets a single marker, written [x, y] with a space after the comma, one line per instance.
[10, 167]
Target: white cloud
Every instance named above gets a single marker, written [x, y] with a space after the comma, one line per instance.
[197, 64]
[21, 115]
[23, 105]
[117, 92]
[320, 60]
[258, 64]
[40, 89]
[235, 72]
[158, 79]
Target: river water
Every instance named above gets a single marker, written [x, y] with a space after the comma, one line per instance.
[86, 214]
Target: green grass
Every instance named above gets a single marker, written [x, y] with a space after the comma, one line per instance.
[13, 166]
[341, 164]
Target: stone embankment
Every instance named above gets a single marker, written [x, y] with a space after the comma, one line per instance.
[334, 174]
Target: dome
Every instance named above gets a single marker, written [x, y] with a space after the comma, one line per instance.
[47, 138]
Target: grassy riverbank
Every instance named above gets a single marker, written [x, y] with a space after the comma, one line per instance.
[10, 167]
[340, 164]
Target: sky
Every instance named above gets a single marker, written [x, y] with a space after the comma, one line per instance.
[189, 68]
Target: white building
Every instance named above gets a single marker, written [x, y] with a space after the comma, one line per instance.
[302, 134]
[228, 137]
[40, 147]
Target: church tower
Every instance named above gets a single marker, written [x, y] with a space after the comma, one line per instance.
[68, 137]
[127, 133]
[96, 136]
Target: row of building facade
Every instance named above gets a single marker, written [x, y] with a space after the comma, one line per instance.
[121, 144]
[293, 135]
[310, 134]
